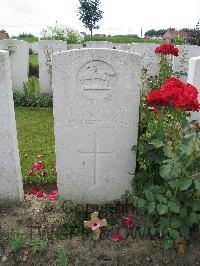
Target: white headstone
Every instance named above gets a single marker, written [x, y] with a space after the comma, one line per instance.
[45, 51]
[194, 79]
[99, 44]
[34, 47]
[96, 96]
[181, 62]
[151, 60]
[19, 59]
[123, 46]
[74, 46]
[10, 176]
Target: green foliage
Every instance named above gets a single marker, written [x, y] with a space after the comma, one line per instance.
[155, 33]
[122, 39]
[90, 14]
[195, 35]
[17, 241]
[62, 32]
[62, 255]
[166, 185]
[33, 65]
[31, 97]
[38, 246]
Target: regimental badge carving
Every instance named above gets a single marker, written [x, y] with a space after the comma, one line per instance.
[96, 80]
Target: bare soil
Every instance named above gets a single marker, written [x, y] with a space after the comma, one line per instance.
[38, 219]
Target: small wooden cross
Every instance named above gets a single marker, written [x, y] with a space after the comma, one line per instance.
[181, 243]
[95, 222]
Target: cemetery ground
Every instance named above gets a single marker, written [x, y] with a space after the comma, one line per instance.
[39, 231]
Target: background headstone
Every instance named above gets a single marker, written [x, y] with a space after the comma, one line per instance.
[34, 47]
[150, 60]
[19, 59]
[96, 95]
[194, 79]
[99, 44]
[10, 175]
[74, 46]
[181, 62]
[45, 51]
[123, 46]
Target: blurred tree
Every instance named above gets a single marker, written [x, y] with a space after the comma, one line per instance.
[90, 14]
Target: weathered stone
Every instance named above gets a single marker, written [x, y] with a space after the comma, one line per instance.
[150, 62]
[96, 96]
[10, 176]
[45, 51]
[74, 46]
[194, 79]
[181, 62]
[99, 44]
[19, 59]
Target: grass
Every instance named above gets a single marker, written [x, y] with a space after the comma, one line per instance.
[122, 39]
[113, 39]
[33, 59]
[35, 136]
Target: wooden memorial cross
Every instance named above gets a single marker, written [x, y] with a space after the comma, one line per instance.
[95, 224]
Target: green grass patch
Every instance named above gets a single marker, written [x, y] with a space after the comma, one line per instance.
[36, 136]
[33, 59]
[122, 39]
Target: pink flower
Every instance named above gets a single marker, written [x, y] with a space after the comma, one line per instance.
[153, 109]
[40, 155]
[30, 171]
[94, 224]
[116, 237]
[42, 173]
[129, 221]
[38, 165]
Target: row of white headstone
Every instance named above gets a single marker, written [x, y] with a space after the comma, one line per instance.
[96, 95]
[19, 56]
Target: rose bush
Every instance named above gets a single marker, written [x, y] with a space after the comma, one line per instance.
[166, 184]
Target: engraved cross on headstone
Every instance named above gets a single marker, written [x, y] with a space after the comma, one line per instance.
[96, 154]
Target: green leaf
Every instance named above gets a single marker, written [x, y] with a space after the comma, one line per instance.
[176, 222]
[174, 234]
[184, 230]
[141, 203]
[157, 143]
[153, 231]
[196, 206]
[168, 194]
[197, 185]
[151, 207]
[193, 218]
[167, 243]
[168, 152]
[162, 209]
[185, 184]
[149, 195]
[183, 212]
[171, 169]
[174, 207]
[161, 198]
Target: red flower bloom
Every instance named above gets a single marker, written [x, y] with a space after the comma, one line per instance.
[175, 93]
[129, 221]
[167, 49]
[155, 97]
[38, 165]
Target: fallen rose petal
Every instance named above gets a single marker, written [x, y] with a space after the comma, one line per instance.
[116, 237]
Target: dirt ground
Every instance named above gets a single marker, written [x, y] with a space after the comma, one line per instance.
[38, 219]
